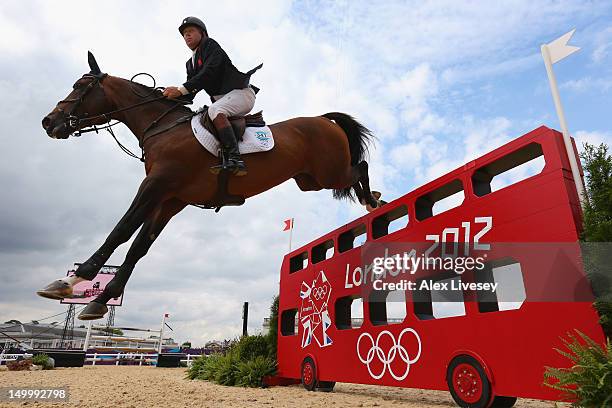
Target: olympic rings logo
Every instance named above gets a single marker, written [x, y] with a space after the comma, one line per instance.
[319, 292]
[376, 351]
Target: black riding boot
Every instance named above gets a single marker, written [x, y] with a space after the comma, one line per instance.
[230, 154]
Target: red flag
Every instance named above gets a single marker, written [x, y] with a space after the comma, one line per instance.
[288, 224]
[166, 315]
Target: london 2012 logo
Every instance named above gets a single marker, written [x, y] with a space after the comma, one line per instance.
[314, 315]
[385, 355]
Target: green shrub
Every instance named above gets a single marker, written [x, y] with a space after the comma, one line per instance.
[273, 331]
[204, 367]
[42, 360]
[245, 362]
[251, 372]
[249, 347]
[226, 368]
[588, 383]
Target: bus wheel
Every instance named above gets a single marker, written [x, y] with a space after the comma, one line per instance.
[503, 402]
[468, 383]
[326, 386]
[309, 374]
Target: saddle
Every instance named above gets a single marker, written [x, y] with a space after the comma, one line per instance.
[239, 123]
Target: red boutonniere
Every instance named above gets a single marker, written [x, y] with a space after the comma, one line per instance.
[199, 61]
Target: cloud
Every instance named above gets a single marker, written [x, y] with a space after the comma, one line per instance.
[593, 137]
[599, 85]
[602, 45]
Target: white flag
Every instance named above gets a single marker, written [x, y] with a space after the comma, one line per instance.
[559, 49]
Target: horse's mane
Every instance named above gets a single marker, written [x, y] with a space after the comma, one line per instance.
[143, 89]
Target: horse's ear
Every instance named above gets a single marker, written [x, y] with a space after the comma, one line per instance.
[95, 69]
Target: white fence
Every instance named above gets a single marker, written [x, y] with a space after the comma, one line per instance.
[117, 358]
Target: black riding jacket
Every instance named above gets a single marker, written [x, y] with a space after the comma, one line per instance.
[214, 72]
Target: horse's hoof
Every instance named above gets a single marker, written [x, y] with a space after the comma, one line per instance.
[93, 311]
[56, 290]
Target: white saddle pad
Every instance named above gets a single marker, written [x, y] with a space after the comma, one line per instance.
[255, 139]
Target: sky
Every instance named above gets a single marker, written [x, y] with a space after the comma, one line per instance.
[439, 83]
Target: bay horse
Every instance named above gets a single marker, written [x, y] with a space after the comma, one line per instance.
[323, 152]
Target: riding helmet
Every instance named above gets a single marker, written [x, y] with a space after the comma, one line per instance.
[194, 21]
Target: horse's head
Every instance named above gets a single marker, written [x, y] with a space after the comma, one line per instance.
[84, 106]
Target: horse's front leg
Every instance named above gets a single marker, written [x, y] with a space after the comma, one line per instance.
[150, 231]
[148, 197]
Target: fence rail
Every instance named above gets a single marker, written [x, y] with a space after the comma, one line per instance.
[117, 358]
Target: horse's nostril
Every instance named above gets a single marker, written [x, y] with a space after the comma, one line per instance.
[46, 122]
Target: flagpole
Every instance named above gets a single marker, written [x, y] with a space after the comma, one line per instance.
[290, 234]
[566, 136]
[161, 334]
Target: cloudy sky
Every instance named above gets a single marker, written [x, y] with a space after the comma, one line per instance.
[439, 83]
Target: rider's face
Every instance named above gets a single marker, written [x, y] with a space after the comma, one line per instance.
[192, 36]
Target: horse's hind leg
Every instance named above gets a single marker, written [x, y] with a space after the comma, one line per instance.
[364, 180]
[150, 230]
[359, 192]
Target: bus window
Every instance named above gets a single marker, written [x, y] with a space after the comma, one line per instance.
[442, 199]
[509, 169]
[510, 293]
[352, 238]
[349, 312]
[387, 307]
[323, 251]
[288, 322]
[430, 303]
[298, 262]
[389, 222]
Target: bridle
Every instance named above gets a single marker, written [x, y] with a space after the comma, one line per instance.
[75, 123]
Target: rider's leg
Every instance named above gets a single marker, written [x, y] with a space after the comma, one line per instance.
[230, 155]
[235, 103]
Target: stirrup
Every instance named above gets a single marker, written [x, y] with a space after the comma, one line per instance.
[224, 156]
[237, 166]
[234, 168]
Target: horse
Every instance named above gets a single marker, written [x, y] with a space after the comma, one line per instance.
[322, 152]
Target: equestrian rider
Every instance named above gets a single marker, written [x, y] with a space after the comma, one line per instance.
[210, 69]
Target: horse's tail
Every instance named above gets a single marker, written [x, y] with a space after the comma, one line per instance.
[359, 137]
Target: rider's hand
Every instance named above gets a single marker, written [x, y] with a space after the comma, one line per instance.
[172, 92]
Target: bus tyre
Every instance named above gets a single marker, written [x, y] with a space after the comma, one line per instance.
[309, 374]
[468, 383]
[326, 386]
[503, 402]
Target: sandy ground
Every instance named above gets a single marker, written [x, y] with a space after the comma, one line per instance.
[135, 387]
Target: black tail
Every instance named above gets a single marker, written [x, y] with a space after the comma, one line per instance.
[359, 137]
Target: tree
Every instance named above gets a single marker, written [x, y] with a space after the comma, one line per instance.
[597, 229]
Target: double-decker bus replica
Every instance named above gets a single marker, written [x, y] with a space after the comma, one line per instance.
[486, 348]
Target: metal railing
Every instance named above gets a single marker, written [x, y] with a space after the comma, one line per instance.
[117, 358]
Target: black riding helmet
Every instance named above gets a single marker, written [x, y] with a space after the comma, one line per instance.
[194, 21]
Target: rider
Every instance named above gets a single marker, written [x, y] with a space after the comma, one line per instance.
[210, 69]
